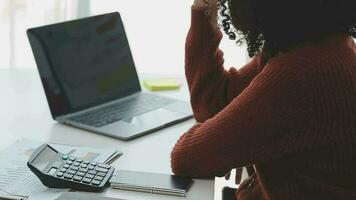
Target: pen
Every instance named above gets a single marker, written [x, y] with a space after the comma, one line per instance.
[10, 197]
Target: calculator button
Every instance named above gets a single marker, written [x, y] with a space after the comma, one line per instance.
[93, 163]
[65, 157]
[68, 176]
[74, 168]
[95, 182]
[77, 178]
[92, 172]
[91, 167]
[101, 174]
[69, 162]
[101, 170]
[66, 166]
[86, 162]
[104, 166]
[71, 159]
[63, 170]
[57, 164]
[76, 164]
[52, 171]
[99, 178]
[59, 174]
[79, 160]
[71, 171]
[81, 174]
[86, 180]
[84, 170]
[83, 165]
[90, 176]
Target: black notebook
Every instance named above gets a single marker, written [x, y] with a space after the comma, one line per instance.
[151, 182]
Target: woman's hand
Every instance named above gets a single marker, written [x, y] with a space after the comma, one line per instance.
[205, 4]
[210, 7]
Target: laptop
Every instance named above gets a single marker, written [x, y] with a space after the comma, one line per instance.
[90, 81]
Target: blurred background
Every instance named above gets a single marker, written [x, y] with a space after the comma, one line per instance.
[156, 30]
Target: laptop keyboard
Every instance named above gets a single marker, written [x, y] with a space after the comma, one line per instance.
[122, 110]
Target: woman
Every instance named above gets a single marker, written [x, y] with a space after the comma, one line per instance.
[290, 113]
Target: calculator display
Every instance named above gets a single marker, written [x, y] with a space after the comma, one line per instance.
[44, 158]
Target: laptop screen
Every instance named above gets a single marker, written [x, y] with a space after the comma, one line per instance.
[84, 62]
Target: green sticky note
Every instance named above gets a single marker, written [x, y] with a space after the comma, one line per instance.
[161, 84]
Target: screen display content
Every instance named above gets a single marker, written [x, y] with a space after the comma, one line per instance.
[44, 158]
[89, 63]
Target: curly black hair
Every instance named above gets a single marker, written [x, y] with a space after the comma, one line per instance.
[277, 25]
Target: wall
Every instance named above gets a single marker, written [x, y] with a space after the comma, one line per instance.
[157, 30]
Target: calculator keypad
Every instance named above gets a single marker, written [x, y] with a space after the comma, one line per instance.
[86, 172]
[59, 174]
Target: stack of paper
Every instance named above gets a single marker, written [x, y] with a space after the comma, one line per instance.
[16, 178]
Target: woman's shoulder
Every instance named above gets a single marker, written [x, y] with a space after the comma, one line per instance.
[335, 48]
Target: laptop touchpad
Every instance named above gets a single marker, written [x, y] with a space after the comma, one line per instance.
[153, 118]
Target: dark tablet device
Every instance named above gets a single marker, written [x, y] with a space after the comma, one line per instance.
[151, 182]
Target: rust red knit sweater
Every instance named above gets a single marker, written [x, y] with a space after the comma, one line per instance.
[293, 118]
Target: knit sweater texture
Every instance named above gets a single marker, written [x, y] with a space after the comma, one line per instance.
[293, 119]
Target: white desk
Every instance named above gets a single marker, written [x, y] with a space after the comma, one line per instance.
[24, 113]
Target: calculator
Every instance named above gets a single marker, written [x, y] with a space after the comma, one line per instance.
[58, 170]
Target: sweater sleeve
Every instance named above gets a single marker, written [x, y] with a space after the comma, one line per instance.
[204, 69]
[265, 122]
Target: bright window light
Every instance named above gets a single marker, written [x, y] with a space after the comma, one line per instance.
[156, 30]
